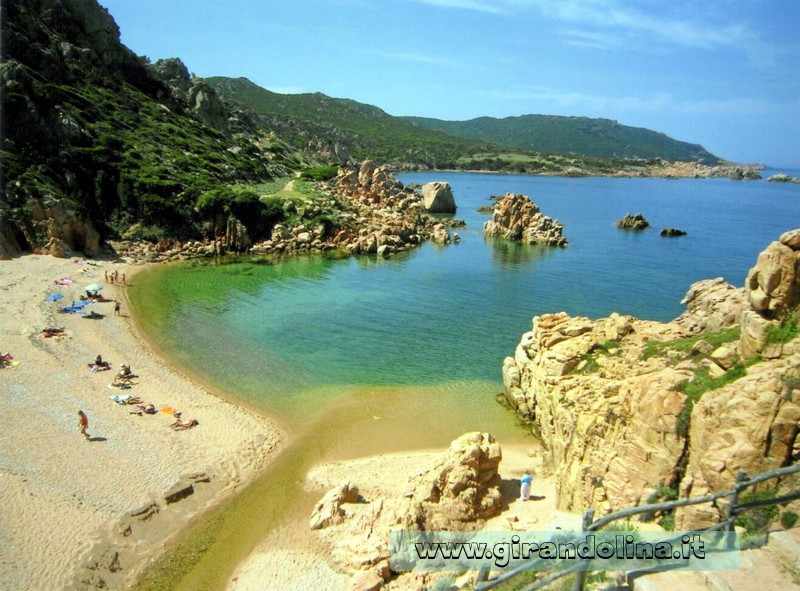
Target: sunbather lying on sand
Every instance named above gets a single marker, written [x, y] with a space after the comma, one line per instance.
[147, 409]
[180, 425]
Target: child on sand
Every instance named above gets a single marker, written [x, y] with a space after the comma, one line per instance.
[83, 424]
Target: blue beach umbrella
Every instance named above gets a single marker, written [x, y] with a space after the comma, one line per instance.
[93, 287]
[54, 296]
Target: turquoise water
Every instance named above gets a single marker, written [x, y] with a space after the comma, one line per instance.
[292, 336]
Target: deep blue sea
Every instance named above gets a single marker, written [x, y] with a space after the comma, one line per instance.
[434, 324]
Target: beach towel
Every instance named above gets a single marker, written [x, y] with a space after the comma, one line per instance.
[121, 398]
[168, 410]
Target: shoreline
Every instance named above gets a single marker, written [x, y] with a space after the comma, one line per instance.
[80, 514]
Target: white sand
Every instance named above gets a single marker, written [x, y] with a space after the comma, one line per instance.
[63, 498]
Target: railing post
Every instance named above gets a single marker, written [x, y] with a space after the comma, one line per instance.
[740, 478]
[580, 576]
[483, 575]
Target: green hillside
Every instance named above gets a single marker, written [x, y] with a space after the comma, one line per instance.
[95, 132]
[364, 130]
[571, 135]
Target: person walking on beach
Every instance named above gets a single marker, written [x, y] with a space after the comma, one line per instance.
[83, 424]
[525, 485]
[117, 307]
[123, 279]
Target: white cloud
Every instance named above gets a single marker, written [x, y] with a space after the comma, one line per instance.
[494, 7]
[626, 21]
[424, 59]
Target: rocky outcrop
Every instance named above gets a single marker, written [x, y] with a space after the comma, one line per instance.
[328, 511]
[773, 285]
[751, 424]
[516, 217]
[201, 99]
[459, 491]
[671, 232]
[711, 304]
[611, 408]
[783, 178]
[437, 197]
[632, 222]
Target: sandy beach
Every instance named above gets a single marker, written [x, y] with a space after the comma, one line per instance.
[70, 503]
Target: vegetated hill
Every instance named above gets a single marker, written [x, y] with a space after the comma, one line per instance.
[572, 135]
[96, 140]
[345, 127]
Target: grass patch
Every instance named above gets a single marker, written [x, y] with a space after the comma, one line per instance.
[758, 519]
[788, 329]
[717, 338]
[701, 383]
[589, 361]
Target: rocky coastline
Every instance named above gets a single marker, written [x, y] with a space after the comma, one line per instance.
[375, 215]
[618, 403]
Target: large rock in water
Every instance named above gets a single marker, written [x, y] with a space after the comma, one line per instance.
[516, 217]
[437, 197]
[632, 222]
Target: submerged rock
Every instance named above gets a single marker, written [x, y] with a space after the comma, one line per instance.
[672, 232]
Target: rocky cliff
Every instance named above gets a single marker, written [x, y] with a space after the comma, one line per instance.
[627, 407]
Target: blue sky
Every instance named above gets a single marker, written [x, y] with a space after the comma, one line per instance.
[723, 74]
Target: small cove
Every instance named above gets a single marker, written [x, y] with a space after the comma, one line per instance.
[361, 356]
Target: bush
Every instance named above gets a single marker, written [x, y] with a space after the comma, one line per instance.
[789, 329]
[789, 519]
[757, 520]
[320, 173]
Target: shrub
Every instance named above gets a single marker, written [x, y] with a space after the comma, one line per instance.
[788, 329]
[758, 519]
[789, 519]
[320, 173]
